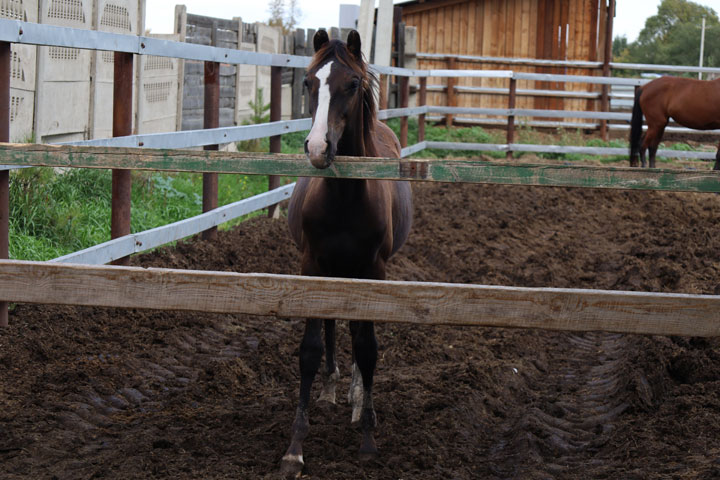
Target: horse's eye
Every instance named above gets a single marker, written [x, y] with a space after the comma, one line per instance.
[353, 85]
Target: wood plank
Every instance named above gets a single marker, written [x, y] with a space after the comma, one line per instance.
[456, 27]
[471, 18]
[440, 31]
[452, 170]
[462, 10]
[429, 6]
[348, 299]
[517, 18]
[449, 28]
[480, 26]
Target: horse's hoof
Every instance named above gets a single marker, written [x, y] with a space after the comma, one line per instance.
[291, 466]
[329, 386]
[327, 395]
[368, 449]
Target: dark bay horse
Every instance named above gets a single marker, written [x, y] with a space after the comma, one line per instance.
[343, 227]
[691, 103]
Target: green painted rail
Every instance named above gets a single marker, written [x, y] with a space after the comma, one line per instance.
[447, 170]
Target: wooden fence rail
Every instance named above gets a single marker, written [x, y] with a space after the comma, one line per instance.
[421, 303]
[438, 170]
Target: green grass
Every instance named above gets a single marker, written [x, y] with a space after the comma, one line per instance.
[55, 213]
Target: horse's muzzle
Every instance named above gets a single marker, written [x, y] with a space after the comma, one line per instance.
[320, 156]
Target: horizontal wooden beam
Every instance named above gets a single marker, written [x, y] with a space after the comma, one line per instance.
[437, 170]
[348, 299]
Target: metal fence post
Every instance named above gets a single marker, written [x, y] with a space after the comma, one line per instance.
[607, 53]
[275, 116]
[404, 83]
[422, 101]
[5, 57]
[122, 126]
[211, 119]
[511, 117]
[451, 100]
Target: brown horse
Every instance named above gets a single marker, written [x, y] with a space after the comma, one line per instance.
[343, 227]
[691, 103]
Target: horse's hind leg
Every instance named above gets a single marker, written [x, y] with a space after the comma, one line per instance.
[331, 374]
[311, 350]
[651, 141]
[365, 350]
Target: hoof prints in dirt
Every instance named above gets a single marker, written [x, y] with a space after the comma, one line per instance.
[132, 394]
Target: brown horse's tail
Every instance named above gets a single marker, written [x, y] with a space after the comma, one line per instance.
[636, 123]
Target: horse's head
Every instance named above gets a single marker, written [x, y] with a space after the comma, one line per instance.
[338, 83]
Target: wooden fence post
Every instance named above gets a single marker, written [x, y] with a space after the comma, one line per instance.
[422, 101]
[211, 119]
[404, 84]
[275, 141]
[309, 51]
[5, 72]
[511, 117]
[298, 75]
[452, 101]
[122, 126]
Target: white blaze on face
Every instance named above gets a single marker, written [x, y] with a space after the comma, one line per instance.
[317, 143]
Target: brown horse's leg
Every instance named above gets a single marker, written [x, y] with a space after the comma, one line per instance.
[331, 374]
[651, 141]
[717, 159]
[642, 154]
[311, 350]
[365, 350]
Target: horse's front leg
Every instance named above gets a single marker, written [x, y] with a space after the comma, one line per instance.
[331, 374]
[365, 352]
[717, 159]
[311, 350]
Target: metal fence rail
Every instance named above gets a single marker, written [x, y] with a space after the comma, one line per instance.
[143, 241]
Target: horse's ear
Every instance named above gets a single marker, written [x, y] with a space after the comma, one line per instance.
[353, 43]
[320, 39]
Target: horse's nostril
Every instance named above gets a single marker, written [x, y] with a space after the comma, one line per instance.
[306, 147]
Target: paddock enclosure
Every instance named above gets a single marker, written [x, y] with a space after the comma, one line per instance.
[132, 393]
[133, 377]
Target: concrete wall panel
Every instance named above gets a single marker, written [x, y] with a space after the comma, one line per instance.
[23, 71]
[63, 74]
[158, 92]
[269, 40]
[116, 16]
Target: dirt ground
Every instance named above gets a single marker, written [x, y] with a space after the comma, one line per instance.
[109, 393]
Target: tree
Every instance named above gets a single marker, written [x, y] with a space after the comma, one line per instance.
[673, 36]
[293, 15]
[619, 48]
[284, 16]
[277, 11]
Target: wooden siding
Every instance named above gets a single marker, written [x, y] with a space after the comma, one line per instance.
[541, 29]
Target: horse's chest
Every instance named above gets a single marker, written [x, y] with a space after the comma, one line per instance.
[345, 243]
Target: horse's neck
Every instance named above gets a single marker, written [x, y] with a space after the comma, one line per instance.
[351, 144]
[356, 140]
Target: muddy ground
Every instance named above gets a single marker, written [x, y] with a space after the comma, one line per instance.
[109, 393]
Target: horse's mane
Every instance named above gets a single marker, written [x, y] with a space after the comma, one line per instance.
[337, 50]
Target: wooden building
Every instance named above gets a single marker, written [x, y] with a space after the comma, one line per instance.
[572, 30]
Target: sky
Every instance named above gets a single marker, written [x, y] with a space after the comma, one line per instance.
[629, 19]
